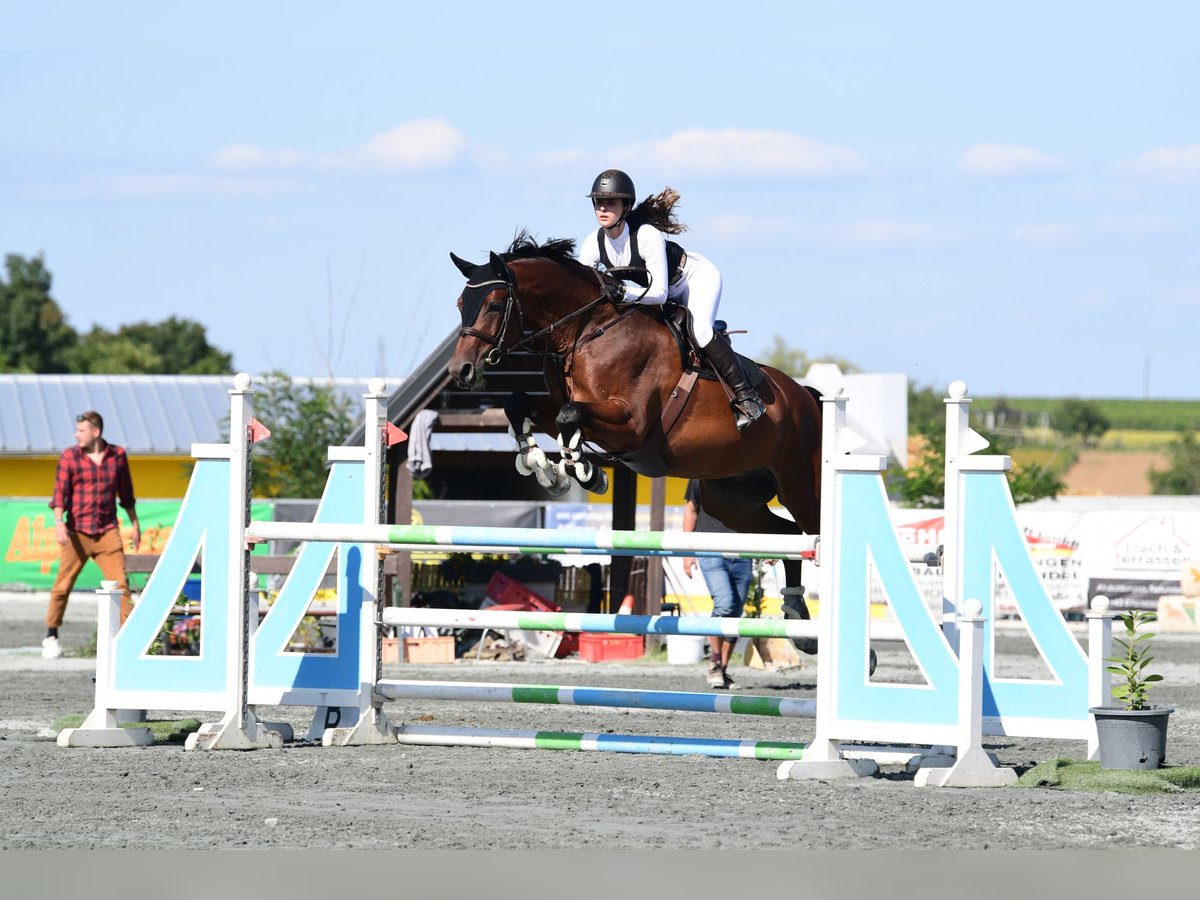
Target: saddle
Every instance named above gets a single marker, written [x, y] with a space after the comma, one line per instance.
[678, 320]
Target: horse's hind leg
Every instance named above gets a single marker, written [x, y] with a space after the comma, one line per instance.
[741, 504]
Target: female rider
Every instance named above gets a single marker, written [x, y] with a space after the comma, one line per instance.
[630, 237]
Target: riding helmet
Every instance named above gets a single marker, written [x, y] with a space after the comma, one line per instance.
[613, 183]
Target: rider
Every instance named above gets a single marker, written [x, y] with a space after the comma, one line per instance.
[668, 273]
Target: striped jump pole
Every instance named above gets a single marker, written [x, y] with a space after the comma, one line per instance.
[704, 626]
[436, 736]
[545, 540]
[618, 698]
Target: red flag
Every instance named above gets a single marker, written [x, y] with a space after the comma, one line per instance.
[395, 435]
[258, 431]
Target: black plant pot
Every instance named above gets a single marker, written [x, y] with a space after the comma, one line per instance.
[1132, 738]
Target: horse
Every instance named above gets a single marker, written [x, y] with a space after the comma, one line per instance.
[611, 370]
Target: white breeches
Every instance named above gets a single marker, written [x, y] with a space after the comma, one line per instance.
[700, 291]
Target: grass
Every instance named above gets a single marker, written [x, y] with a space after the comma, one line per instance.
[1122, 413]
[165, 731]
[1136, 439]
[1057, 459]
[1084, 775]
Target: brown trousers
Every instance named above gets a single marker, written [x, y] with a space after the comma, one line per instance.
[109, 555]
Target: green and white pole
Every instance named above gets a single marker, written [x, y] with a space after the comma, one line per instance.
[437, 736]
[618, 698]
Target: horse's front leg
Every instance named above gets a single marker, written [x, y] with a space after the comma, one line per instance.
[522, 413]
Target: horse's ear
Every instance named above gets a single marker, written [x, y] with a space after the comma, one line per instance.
[463, 266]
[499, 267]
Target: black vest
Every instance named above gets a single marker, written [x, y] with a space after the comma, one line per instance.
[676, 256]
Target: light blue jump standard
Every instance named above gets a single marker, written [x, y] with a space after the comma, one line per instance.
[242, 663]
[959, 699]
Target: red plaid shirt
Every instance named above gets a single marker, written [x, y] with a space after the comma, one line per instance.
[88, 492]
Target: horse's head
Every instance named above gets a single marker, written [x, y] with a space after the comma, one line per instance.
[491, 319]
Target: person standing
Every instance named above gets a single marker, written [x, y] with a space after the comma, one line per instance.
[728, 582]
[91, 478]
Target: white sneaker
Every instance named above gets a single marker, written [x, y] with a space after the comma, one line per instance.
[51, 649]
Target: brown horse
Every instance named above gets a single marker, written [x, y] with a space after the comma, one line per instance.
[611, 369]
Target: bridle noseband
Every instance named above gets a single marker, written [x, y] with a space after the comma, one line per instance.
[494, 355]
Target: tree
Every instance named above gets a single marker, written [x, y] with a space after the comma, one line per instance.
[923, 485]
[34, 334]
[305, 419]
[1081, 417]
[926, 409]
[173, 346]
[795, 362]
[1182, 476]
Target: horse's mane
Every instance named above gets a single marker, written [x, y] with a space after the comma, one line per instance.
[560, 250]
[658, 210]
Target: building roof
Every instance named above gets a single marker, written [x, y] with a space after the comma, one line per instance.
[145, 414]
[469, 421]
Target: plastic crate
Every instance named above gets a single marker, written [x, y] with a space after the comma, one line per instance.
[606, 647]
[429, 649]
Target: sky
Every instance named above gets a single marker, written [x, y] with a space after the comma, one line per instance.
[1004, 194]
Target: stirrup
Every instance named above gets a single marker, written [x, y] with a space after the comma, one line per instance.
[747, 411]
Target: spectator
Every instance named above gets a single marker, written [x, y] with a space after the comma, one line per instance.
[728, 582]
[92, 476]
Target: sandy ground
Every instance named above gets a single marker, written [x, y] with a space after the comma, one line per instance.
[1124, 473]
[306, 796]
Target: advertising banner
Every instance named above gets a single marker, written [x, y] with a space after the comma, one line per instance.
[30, 553]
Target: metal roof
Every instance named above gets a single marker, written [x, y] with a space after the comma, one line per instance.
[145, 414]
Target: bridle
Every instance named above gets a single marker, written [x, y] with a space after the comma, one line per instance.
[511, 301]
[494, 355]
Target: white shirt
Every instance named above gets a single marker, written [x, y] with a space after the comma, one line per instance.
[653, 247]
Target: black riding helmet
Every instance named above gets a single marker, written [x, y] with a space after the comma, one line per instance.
[613, 183]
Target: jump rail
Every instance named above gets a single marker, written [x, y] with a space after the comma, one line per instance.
[617, 698]
[542, 540]
[592, 623]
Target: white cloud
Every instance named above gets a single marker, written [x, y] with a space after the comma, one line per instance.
[1049, 233]
[569, 157]
[1009, 161]
[738, 229]
[886, 232]
[742, 152]
[1183, 297]
[1057, 233]
[866, 232]
[171, 185]
[414, 146]
[1172, 164]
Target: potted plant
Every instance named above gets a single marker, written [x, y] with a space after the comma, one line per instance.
[1134, 734]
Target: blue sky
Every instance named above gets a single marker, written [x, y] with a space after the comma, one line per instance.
[1004, 193]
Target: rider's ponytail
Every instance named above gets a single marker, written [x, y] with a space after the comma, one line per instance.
[658, 210]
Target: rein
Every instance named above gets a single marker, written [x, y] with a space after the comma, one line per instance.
[494, 355]
[592, 335]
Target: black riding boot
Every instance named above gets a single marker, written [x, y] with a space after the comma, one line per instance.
[746, 403]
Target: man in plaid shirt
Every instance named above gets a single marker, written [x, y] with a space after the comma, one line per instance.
[91, 477]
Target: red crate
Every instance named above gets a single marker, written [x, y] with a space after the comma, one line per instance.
[607, 647]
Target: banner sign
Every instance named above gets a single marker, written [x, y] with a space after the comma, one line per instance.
[29, 551]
